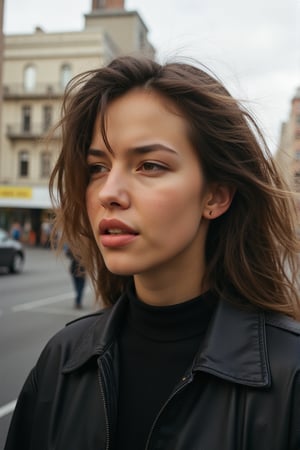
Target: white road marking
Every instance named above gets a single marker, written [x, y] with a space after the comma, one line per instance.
[43, 302]
[61, 311]
[7, 409]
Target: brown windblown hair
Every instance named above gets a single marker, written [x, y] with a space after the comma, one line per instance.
[252, 249]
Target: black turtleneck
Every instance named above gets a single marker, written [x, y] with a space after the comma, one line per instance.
[157, 345]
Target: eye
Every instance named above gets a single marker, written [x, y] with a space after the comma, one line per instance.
[96, 169]
[150, 166]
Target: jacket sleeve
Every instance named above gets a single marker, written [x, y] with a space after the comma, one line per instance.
[21, 426]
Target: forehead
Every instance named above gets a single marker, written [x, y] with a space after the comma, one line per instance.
[142, 112]
[147, 96]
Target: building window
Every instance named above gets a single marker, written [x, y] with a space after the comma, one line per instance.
[26, 118]
[47, 117]
[23, 163]
[297, 155]
[142, 39]
[29, 78]
[65, 75]
[45, 164]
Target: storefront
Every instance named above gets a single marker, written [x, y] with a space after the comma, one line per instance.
[30, 207]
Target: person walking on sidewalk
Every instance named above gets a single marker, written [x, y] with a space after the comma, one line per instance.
[78, 275]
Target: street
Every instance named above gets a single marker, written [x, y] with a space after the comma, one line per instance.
[33, 306]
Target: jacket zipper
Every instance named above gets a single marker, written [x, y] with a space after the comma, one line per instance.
[105, 411]
[186, 380]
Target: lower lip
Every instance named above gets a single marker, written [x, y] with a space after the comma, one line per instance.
[117, 240]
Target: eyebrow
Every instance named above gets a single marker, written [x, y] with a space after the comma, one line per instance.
[142, 150]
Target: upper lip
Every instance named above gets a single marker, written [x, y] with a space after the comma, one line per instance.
[113, 224]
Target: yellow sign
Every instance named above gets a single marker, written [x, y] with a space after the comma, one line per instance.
[15, 192]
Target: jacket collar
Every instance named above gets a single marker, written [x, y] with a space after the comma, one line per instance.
[234, 348]
[98, 336]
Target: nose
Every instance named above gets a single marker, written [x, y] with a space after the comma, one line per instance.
[114, 193]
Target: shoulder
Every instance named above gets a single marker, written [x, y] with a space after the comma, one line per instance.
[80, 336]
[282, 322]
[283, 342]
[76, 329]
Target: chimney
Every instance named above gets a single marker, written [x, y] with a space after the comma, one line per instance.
[107, 4]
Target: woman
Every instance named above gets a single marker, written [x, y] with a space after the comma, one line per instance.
[169, 195]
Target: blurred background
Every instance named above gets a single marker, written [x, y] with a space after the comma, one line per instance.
[253, 47]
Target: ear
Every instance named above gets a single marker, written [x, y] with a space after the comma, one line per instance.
[218, 200]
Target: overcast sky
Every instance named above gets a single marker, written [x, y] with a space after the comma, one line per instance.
[254, 47]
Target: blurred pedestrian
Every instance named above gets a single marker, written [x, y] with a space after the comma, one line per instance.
[16, 230]
[78, 275]
[45, 233]
[26, 231]
[165, 189]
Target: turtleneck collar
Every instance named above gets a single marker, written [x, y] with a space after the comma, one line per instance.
[170, 323]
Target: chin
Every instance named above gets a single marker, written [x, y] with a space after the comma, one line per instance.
[120, 263]
[119, 269]
[122, 273]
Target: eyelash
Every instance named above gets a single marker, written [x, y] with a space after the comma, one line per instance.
[96, 169]
[157, 167]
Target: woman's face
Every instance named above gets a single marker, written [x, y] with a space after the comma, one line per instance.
[146, 199]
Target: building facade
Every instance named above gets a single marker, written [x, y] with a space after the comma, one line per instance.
[36, 69]
[288, 153]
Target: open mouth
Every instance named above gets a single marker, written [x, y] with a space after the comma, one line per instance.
[116, 231]
[116, 237]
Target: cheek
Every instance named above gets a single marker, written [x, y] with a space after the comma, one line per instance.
[175, 208]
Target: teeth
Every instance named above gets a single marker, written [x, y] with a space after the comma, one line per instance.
[115, 231]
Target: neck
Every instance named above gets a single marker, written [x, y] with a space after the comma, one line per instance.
[177, 280]
[171, 288]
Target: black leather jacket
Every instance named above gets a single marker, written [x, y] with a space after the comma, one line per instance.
[241, 393]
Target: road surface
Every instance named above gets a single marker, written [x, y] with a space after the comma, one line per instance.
[33, 306]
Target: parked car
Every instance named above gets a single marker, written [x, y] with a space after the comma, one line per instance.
[12, 253]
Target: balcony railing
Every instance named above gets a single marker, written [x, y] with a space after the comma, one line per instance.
[42, 90]
[35, 131]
